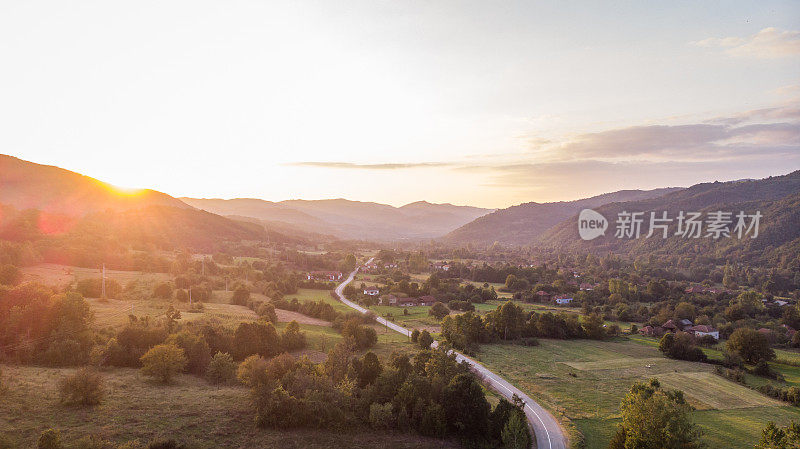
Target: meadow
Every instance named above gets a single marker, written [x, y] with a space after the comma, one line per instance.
[583, 382]
[190, 410]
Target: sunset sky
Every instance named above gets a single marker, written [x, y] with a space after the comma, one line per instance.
[486, 103]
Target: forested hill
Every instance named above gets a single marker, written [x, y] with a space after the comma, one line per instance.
[522, 224]
[777, 198]
[27, 185]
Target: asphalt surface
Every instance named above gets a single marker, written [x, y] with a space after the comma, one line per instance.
[549, 434]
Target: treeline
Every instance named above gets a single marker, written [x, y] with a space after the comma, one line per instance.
[511, 322]
[430, 394]
[38, 325]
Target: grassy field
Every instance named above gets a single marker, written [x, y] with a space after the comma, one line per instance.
[583, 382]
[190, 410]
[61, 275]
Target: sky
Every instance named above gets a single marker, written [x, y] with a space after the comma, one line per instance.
[484, 103]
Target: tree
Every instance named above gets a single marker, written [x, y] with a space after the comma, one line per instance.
[194, 346]
[256, 338]
[655, 419]
[369, 369]
[774, 437]
[425, 339]
[415, 335]
[681, 346]
[515, 434]
[163, 290]
[252, 370]
[240, 296]
[292, 339]
[750, 345]
[84, 387]
[439, 310]
[593, 326]
[349, 263]
[221, 368]
[465, 405]
[163, 362]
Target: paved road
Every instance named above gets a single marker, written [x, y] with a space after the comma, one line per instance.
[548, 433]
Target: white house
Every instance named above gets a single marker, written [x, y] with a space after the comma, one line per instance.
[563, 299]
[701, 330]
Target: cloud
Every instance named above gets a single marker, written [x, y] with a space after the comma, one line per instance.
[767, 43]
[387, 166]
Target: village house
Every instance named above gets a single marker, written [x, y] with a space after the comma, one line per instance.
[542, 295]
[702, 330]
[371, 291]
[585, 286]
[389, 300]
[563, 299]
[440, 266]
[324, 275]
[426, 300]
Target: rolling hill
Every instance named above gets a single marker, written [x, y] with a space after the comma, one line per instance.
[349, 219]
[777, 198]
[27, 185]
[522, 224]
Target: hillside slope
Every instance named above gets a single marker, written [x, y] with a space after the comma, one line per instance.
[777, 198]
[522, 224]
[27, 185]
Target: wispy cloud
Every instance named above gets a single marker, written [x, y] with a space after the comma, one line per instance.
[767, 43]
[387, 166]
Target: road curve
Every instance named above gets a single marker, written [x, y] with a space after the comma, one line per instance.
[549, 434]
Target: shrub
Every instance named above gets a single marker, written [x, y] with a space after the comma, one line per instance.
[163, 290]
[84, 387]
[361, 336]
[194, 348]
[252, 370]
[163, 362]
[256, 338]
[415, 336]
[49, 439]
[240, 296]
[221, 368]
[292, 338]
[439, 310]
[381, 416]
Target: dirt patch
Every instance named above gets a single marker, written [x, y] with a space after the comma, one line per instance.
[285, 316]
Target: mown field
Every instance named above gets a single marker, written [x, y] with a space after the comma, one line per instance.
[190, 410]
[583, 382]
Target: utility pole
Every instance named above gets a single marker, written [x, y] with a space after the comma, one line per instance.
[204, 265]
[190, 297]
[103, 294]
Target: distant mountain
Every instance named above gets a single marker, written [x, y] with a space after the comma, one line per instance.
[349, 219]
[27, 185]
[523, 224]
[777, 198]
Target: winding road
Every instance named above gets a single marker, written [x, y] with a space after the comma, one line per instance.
[549, 434]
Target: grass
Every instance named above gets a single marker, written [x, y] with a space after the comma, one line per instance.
[734, 429]
[309, 294]
[190, 410]
[61, 275]
[583, 382]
